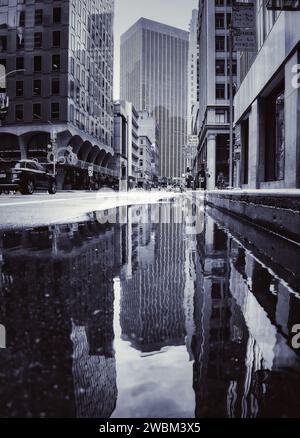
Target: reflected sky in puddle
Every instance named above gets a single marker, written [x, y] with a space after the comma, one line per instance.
[147, 319]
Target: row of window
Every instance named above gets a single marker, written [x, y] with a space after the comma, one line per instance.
[37, 63]
[39, 17]
[37, 87]
[37, 111]
[86, 124]
[37, 40]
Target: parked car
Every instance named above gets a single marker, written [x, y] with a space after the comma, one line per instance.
[26, 176]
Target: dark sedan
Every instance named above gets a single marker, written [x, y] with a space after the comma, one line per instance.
[26, 176]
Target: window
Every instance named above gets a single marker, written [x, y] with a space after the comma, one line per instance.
[20, 63]
[220, 116]
[19, 113]
[220, 44]
[37, 63]
[38, 39]
[55, 86]
[220, 91]
[22, 18]
[55, 62]
[38, 17]
[55, 111]
[275, 140]
[37, 87]
[56, 15]
[220, 67]
[36, 111]
[72, 67]
[220, 22]
[3, 43]
[56, 38]
[19, 88]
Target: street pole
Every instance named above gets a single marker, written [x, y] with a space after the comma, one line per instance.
[230, 106]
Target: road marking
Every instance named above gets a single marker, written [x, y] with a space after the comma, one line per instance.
[46, 201]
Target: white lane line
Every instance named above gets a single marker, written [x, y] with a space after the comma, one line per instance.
[45, 201]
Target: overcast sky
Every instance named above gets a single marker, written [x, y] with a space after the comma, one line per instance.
[176, 13]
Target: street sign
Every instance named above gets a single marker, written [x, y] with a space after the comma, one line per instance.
[283, 5]
[91, 171]
[245, 40]
[243, 16]
[193, 140]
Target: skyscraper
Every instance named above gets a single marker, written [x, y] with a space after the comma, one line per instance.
[59, 56]
[154, 78]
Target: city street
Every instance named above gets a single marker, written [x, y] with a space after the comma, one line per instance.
[150, 214]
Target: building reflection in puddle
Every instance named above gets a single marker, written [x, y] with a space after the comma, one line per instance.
[144, 319]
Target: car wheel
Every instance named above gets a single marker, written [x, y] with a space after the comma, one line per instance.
[53, 188]
[28, 187]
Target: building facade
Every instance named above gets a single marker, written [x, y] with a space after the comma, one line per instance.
[154, 77]
[126, 143]
[59, 62]
[149, 147]
[193, 78]
[214, 92]
[267, 109]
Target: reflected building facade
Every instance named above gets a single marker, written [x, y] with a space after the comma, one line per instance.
[152, 299]
[244, 366]
[64, 359]
[154, 78]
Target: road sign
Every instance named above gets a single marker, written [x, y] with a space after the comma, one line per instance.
[243, 16]
[91, 171]
[245, 40]
[283, 5]
[193, 140]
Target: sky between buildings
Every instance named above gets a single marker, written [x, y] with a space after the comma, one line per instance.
[176, 13]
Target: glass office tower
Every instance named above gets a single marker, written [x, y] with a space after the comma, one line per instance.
[154, 78]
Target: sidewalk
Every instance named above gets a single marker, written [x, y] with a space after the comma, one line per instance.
[276, 210]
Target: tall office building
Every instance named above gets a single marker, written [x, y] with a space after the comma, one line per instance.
[214, 90]
[60, 55]
[154, 78]
[193, 79]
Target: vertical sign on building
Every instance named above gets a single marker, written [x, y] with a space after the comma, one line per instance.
[244, 27]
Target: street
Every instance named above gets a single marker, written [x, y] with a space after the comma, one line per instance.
[160, 311]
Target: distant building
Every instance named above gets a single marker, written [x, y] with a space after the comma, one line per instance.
[149, 147]
[121, 144]
[127, 141]
[267, 115]
[213, 151]
[154, 77]
[145, 164]
[60, 55]
[193, 77]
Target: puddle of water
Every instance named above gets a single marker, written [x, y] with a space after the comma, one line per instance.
[144, 318]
